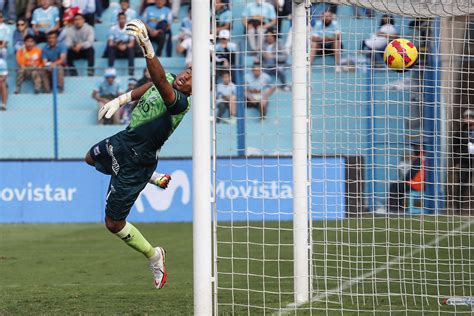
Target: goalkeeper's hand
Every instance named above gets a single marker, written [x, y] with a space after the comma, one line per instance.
[109, 109]
[137, 29]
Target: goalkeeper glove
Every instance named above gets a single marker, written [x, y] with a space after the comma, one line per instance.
[109, 109]
[137, 29]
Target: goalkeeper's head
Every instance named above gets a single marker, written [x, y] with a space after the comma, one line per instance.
[184, 81]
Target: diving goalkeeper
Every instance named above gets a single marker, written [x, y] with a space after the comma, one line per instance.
[130, 157]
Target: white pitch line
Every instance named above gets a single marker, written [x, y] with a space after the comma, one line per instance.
[344, 286]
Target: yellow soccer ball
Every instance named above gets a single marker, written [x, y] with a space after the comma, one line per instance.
[400, 54]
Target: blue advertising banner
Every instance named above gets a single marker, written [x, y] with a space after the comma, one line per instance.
[246, 189]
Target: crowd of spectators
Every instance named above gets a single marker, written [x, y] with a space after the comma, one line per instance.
[120, 44]
[51, 35]
[66, 32]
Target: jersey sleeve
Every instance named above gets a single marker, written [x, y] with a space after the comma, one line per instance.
[180, 103]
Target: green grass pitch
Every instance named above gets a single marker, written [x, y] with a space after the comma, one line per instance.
[83, 269]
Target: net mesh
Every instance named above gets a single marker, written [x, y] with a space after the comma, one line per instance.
[415, 8]
[380, 240]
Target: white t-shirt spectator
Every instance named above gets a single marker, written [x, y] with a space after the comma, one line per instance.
[224, 90]
[117, 34]
[322, 31]
[263, 9]
[380, 42]
[261, 83]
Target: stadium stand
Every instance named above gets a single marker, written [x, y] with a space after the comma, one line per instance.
[77, 128]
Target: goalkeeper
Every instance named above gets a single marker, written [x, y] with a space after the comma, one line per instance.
[130, 156]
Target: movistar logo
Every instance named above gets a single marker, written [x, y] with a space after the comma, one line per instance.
[253, 189]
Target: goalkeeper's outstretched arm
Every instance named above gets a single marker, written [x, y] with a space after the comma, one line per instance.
[158, 76]
[140, 30]
[112, 106]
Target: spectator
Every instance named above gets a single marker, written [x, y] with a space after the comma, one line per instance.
[258, 89]
[33, 4]
[223, 16]
[186, 26]
[21, 31]
[120, 44]
[68, 20]
[379, 40]
[125, 8]
[79, 40]
[463, 154]
[186, 47]
[274, 59]
[106, 90]
[45, 20]
[87, 9]
[326, 39]
[225, 50]
[411, 177]
[145, 79]
[158, 18]
[54, 55]
[258, 17]
[4, 37]
[226, 99]
[317, 9]
[29, 63]
[3, 84]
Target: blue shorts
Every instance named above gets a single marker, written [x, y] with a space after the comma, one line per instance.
[128, 176]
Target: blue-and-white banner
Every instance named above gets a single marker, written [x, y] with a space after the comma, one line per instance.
[246, 189]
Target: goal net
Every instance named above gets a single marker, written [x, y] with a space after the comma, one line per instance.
[341, 186]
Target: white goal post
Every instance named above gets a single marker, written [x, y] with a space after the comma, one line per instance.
[297, 217]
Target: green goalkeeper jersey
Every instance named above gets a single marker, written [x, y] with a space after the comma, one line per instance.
[153, 122]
